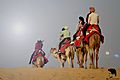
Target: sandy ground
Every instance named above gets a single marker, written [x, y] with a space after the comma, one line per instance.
[55, 74]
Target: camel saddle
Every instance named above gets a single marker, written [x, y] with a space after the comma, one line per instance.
[65, 44]
[91, 30]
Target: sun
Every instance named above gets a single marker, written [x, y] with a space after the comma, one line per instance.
[19, 29]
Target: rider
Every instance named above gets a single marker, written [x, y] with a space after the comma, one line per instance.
[64, 35]
[64, 38]
[38, 49]
[93, 18]
[78, 36]
[81, 23]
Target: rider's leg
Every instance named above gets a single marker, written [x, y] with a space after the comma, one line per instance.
[60, 44]
[85, 29]
[99, 29]
[31, 57]
[45, 60]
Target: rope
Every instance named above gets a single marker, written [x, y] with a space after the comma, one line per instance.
[48, 56]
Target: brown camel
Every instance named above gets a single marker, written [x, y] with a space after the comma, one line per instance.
[93, 49]
[81, 54]
[69, 55]
[39, 62]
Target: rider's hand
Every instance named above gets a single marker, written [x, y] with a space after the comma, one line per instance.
[78, 38]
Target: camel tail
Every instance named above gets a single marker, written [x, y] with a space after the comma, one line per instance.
[97, 39]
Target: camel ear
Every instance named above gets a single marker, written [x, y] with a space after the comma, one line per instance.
[51, 50]
[54, 48]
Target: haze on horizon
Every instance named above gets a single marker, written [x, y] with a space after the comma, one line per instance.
[23, 22]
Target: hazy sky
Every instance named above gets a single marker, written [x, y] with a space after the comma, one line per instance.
[22, 22]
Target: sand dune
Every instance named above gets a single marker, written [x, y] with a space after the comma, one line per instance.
[54, 74]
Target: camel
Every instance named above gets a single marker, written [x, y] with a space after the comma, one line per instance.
[93, 49]
[81, 54]
[39, 62]
[68, 55]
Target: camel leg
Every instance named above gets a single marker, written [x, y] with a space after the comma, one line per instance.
[72, 59]
[72, 56]
[68, 55]
[89, 56]
[84, 57]
[68, 59]
[92, 51]
[81, 58]
[62, 65]
[72, 62]
[77, 54]
[93, 58]
[38, 62]
[97, 57]
[97, 38]
[34, 66]
[85, 60]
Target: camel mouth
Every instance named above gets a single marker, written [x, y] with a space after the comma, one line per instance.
[53, 50]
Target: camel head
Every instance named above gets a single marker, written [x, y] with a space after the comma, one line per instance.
[54, 52]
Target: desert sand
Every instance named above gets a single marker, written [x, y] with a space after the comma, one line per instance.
[55, 74]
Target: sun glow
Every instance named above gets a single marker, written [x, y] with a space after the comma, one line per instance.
[19, 29]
